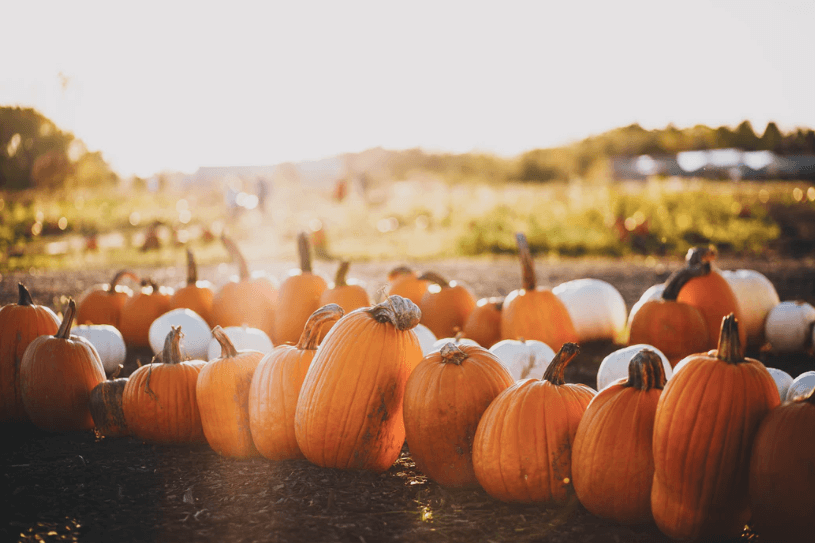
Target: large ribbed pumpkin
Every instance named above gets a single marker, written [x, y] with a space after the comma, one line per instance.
[20, 324]
[102, 304]
[523, 445]
[196, 295]
[276, 387]
[706, 420]
[534, 312]
[57, 375]
[159, 400]
[349, 414]
[445, 306]
[445, 397]
[612, 458]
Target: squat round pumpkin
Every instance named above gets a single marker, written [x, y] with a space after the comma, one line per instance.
[445, 306]
[102, 304]
[105, 403]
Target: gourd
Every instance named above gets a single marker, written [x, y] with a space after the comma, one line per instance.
[348, 295]
[445, 306]
[20, 324]
[195, 295]
[243, 338]
[108, 342]
[141, 310]
[196, 336]
[789, 326]
[525, 359]
[757, 296]
[597, 309]
[533, 312]
[801, 385]
[105, 405]
[103, 304]
[483, 325]
[404, 282]
[445, 397]
[615, 365]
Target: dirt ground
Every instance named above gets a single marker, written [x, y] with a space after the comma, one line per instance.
[81, 487]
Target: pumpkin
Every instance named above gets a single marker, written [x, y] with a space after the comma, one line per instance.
[243, 338]
[483, 325]
[103, 304]
[801, 385]
[249, 299]
[427, 339]
[105, 404]
[709, 292]
[674, 328]
[597, 309]
[616, 365]
[706, 420]
[299, 297]
[108, 342]
[159, 400]
[20, 324]
[222, 391]
[445, 397]
[57, 374]
[404, 282]
[783, 380]
[525, 359]
[276, 386]
[195, 295]
[781, 473]
[533, 312]
[196, 336]
[654, 292]
[445, 306]
[141, 310]
[348, 295]
[757, 296]
[523, 443]
[789, 327]
[612, 460]
[349, 413]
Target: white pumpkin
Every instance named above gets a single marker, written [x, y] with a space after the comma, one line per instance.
[597, 309]
[801, 385]
[525, 359]
[788, 327]
[108, 342]
[615, 365]
[782, 379]
[756, 296]
[195, 330]
[439, 343]
[426, 338]
[243, 338]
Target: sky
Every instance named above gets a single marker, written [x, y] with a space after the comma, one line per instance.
[177, 85]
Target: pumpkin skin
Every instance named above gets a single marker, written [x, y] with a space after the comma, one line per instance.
[159, 401]
[534, 312]
[299, 297]
[522, 447]
[105, 404]
[445, 306]
[196, 295]
[612, 457]
[20, 324]
[781, 473]
[597, 309]
[349, 296]
[483, 325]
[445, 397]
[276, 386]
[705, 424]
[349, 413]
[57, 374]
[757, 296]
[103, 304]
[405, 282]
[140, 311]
[108, 342]
[222, 392]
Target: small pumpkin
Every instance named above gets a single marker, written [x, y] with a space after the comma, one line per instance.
[141, 310]
[196, 336]
[243, 338]
[348, 295]
[445, 306]
[103, 304]
[483, 325]
[108, 342]
[105, 404]
[404, 281]
[597, 309]
[757, 296]
[789, 327]
[195, 294]
[525, 359]
[615, 365]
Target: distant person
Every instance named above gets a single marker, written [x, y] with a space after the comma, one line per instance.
[263, 192]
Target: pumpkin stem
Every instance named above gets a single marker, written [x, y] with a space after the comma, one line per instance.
[120, 275]
[554, 372]
[645, 371]
[398, 311]
[399, 270]
[701, 256]
[149, 282]
[340, 280]
[697, 264]
[118, 372]
[228, 350]
[172, 346]
[25, 296]
[434, 277]
[314, 326]
[237, 256]
[304, 250]
[64, 331]
[527, 263]
[192, 269]
[452, 354]
[729, 348]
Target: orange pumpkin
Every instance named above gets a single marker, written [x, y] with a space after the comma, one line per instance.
[612, 459]
[103, 304]
[105, 404]
[20, 324]
[405, 282]
[247, 300]
[445, 397]
[159, 401]
[299, 297]
[349, 296]
[141, 310]
[445, 306]
[349, 413]
[276, 386]
[705, 424]
[523, 444]
[483, 325]
[57, 374]
[222, 391]
[196, 295]
[534, 312]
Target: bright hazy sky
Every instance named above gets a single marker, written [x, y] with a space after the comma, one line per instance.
[173, 85]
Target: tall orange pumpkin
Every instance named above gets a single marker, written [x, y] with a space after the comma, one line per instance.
[141, 310]
[523, 445]
[445, 306]
[404, 282]
[20, 324]
[445, 397]
[349, 413]
[57, 374]
[612, 457]
[483, 325]
[276, 386]
[102, 304]
[534, 312]
[196, 295]
[705, 424]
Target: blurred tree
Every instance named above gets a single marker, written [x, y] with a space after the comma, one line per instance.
[771, 138]
[745, 137]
